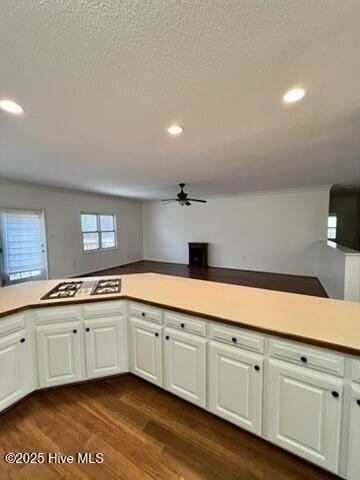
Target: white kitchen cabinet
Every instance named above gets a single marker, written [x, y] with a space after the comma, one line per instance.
[14, 368]
[354, 435]
[185, 365]
[304, 412]
[105, 347]
[59, 353]
[235, 385]
[146, 350]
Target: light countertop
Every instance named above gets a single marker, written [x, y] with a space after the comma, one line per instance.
[329, 323]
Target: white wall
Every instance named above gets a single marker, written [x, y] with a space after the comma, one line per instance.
[339, 271]
[276, 232]
[62, 213]
[332, 270]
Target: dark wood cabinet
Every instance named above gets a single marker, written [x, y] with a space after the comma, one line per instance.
[198, 254]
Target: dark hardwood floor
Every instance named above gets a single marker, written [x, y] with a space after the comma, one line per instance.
[270, 281]
[143, 433]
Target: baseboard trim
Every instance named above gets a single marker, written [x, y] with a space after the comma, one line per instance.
[85, 274]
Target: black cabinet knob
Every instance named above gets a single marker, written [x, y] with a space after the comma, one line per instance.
[257, 368]
[358, 402]
[335, 394]
[22, 340]
[303, 359]
[143, 314]
[156, 334]
[167, 337]
[182, 325]
[234, 339]
[75, 331]
[87, 329]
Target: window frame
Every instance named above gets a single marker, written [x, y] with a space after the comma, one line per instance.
[332, 214]
[98, 231]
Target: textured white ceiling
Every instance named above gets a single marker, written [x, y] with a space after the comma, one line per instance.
[101, 80]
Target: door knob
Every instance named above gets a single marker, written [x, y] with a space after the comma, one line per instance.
[75, 331]
[335, 394]
[22, 340]
[87, 329]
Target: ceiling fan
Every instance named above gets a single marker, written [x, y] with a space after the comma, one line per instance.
[182, 198]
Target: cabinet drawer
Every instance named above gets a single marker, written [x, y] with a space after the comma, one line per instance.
[104, 309]
[57, 314]
[12, 324]
[355, 371]
[185, 323]
[308, 357]
[237, 337]
[144, 311]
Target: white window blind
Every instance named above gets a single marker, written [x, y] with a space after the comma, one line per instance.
[23, 245]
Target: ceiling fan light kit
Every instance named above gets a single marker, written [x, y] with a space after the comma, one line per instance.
[182, 198]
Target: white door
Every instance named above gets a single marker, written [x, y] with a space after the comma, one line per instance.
[235, 385]
[59, 353]
[185, 365]
[304, 413]
[354, 435]
[104, 346]
[23, 246]
[13, 369]
[146, 350]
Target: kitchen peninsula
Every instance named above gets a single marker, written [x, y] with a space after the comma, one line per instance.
[283, 366]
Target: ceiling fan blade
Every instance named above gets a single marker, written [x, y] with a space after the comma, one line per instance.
[197, 200]
[187, 204]
[169, 200]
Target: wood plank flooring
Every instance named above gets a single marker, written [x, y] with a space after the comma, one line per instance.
[143, 432]
[270, 281]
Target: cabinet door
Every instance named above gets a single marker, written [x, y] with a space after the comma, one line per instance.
[235, 385]
[354, 435]
[13, 368]
[59, 353]
[185, 366]
[304, 413]
[146, 350]
[104, 346]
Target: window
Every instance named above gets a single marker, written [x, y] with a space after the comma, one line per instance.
[98, 231]
[332, 224]
[23, 244]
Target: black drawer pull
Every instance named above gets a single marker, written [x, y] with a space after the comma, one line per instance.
[87, 329]
[234, 339]
[156, 334]
[143, 314]
[257, 368]
[75, 331]
[182, 325]
[358, 402]
[167, 337]
[303, 359]
[22, 340]
[335, 394]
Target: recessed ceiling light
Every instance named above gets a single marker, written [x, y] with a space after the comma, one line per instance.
[11, 107]
[175, 130]
[294, 95]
